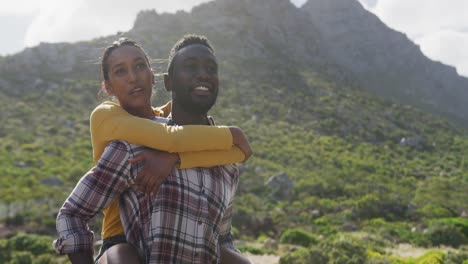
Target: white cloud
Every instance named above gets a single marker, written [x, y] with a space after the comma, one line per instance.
[420, 17]
[19, 7]
[438, 27]
[85, 19]
[449, 47]
[368, 3]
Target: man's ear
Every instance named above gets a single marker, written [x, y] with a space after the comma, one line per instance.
[108, 87]
[167, 82]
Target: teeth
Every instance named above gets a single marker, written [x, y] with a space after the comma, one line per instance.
[201, 88]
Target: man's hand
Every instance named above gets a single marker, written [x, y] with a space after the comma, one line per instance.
[240, 140]
[230, 256]
[157, 166]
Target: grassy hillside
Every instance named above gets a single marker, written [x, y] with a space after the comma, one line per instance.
[360, 174]
[341, 148]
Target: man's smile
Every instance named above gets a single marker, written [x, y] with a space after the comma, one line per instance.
[201, 90]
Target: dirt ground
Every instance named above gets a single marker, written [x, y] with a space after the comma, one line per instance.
[263, 259]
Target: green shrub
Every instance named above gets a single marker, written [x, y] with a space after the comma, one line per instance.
[21, 257]
[35, 244]
[344, 251]
[304, 256]
[262, 238]
[434, 211]
[431, 257]
[456, 258]
[377, 258]
[45, 259]
[254, 250]
[461, 223]
[441, 233]
[298, 237]
[396, 232]
[322, 226]
[340, 251]
[3, 250]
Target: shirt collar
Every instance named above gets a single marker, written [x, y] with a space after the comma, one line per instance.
[172, 123]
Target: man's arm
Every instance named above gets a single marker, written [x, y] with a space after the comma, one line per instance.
[232, 256]
[94, 192]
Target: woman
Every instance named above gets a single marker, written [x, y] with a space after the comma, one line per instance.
[109, 122]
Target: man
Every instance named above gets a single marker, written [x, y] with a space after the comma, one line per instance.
[193, 80]
[189, 219]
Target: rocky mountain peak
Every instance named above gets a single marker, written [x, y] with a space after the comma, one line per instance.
[385, 61]
[352, 6]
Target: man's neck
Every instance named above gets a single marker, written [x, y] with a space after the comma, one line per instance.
[182, 117]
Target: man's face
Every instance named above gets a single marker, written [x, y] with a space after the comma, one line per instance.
[194, 79]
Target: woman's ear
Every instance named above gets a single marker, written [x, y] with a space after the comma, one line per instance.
[107, 87]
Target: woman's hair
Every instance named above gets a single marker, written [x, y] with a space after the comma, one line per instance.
[185, 41]
[109, 49]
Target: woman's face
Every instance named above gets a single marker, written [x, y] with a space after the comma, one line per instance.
[130, 79]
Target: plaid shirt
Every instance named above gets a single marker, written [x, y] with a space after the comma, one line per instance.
[186, 221]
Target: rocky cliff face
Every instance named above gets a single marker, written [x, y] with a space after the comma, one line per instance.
[37, 69]
[338, 39]
[260, 29]
[386, 61]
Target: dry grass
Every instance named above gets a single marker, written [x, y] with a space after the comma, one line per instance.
[407, 250]
[262, 259]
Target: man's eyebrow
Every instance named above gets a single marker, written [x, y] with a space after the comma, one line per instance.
[213, 60]
[190, 58]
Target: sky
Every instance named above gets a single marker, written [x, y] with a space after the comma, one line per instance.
[440, 28]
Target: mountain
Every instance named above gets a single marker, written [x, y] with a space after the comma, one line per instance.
[385, 61]
[346, 130]
[337, 38]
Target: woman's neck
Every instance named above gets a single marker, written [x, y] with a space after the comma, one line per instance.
[147, 112]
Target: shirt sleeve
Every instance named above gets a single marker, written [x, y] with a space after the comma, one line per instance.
[225, 232]
[111, 122]
[94, 192]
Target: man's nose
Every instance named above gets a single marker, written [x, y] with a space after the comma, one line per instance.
[203, 73]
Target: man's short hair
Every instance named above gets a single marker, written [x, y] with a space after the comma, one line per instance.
[185, 41]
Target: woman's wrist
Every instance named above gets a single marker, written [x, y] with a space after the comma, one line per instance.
[237, 135]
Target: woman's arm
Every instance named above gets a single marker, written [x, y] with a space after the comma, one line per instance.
[210, 158]
[110, 122]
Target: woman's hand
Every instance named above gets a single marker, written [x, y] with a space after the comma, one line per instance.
[157, 166]
[240, 140]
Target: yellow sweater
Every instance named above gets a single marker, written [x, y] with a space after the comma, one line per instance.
[197, 145]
